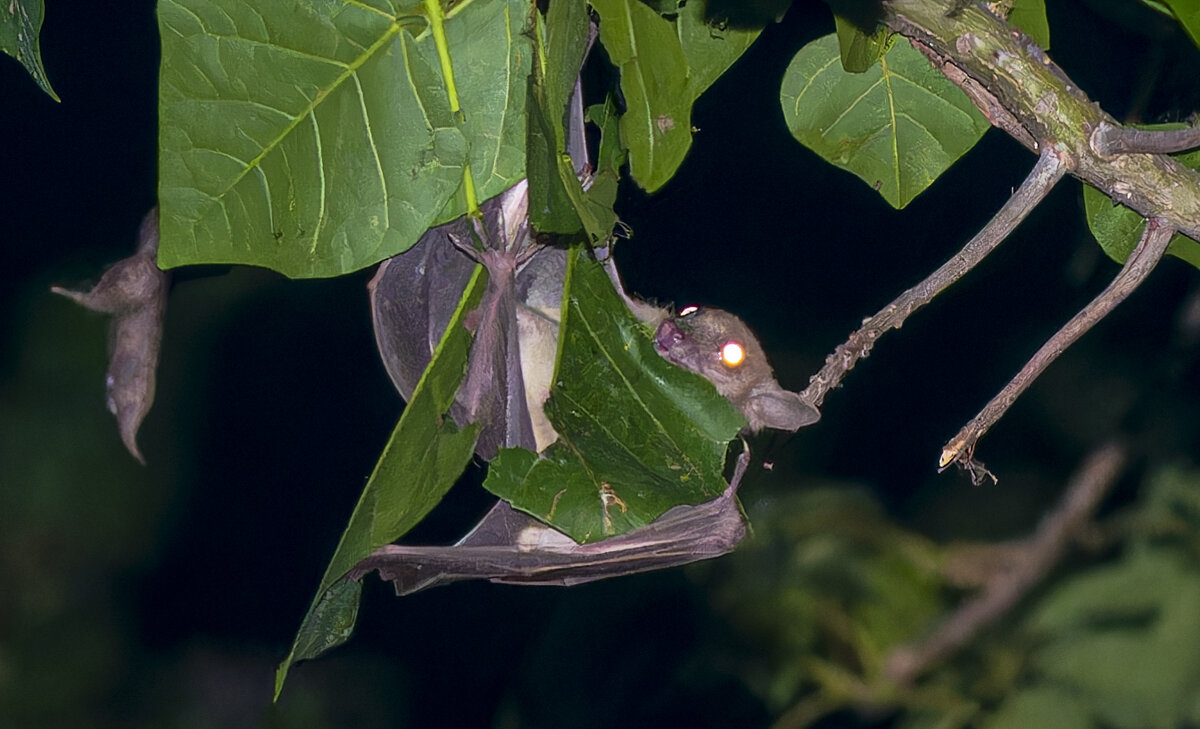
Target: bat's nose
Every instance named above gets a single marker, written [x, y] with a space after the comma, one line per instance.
[667, 336]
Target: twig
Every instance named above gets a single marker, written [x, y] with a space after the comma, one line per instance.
[1110, 139]
[1049, 169]
[1144, 258]
[1043, 550]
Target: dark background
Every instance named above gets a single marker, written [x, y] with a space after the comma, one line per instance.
[166, 595]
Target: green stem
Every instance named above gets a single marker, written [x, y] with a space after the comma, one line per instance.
[437, 22]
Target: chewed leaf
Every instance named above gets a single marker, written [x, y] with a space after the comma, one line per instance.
[898, 126]
[318, 138]
[637, 435]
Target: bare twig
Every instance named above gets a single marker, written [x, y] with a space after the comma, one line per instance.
[1144, 258]
[1109, 139]
[1043, 550]
[1048, 170]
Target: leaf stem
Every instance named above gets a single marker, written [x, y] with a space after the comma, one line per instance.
[437, 19]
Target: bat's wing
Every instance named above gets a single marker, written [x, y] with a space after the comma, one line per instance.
[511, 547]
[414, 294]
[412, 302]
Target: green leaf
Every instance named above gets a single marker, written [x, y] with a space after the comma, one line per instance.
[897, 126]
[637, 435]
[611, 155]
[656, 125]
[1187, 12]
[424, 457]
[665, 65]
[665, 7]
[329, 623]
[1040, 707]
[20, 32]
[858, 50]
[316, 139]
[1030, 17]
[556, 198]
[710, 46]
[1123, 639]
[1118, 229]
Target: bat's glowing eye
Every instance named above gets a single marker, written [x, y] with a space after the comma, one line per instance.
[688, 310]
[732, 354]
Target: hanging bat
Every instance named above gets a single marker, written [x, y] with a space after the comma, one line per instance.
[134, 292]
[510, 369]
[508, 378]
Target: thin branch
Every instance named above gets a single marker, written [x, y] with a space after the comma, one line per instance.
[1043, 550]
[1141, 262]
[1110, 139]
[1049, 170]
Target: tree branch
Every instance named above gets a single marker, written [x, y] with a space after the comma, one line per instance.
[1042, 551]
[1043, 101]
[1048, 171]
[1141, 262]
[1109, 139]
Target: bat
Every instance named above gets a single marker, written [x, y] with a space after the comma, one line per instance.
[134, 292]
[511, 547]
[413, 296]
[719, 346]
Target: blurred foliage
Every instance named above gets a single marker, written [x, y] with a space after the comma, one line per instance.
[68, 523]
[831, 584]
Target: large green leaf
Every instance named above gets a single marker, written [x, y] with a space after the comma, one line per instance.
[1118, 229]
[898, 126]
[665, 65]
[20, 30]
[424, 457]
[637, 435]
[317, 138]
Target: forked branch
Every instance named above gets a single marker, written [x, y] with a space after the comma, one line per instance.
[1048, 171]
[1114, 139]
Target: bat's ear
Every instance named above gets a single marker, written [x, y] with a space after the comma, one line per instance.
[779, 409]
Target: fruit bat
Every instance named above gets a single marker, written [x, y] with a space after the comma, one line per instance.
[413, 296]
[134, 292]
[510, 368]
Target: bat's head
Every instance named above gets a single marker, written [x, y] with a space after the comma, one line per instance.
[719, 346]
